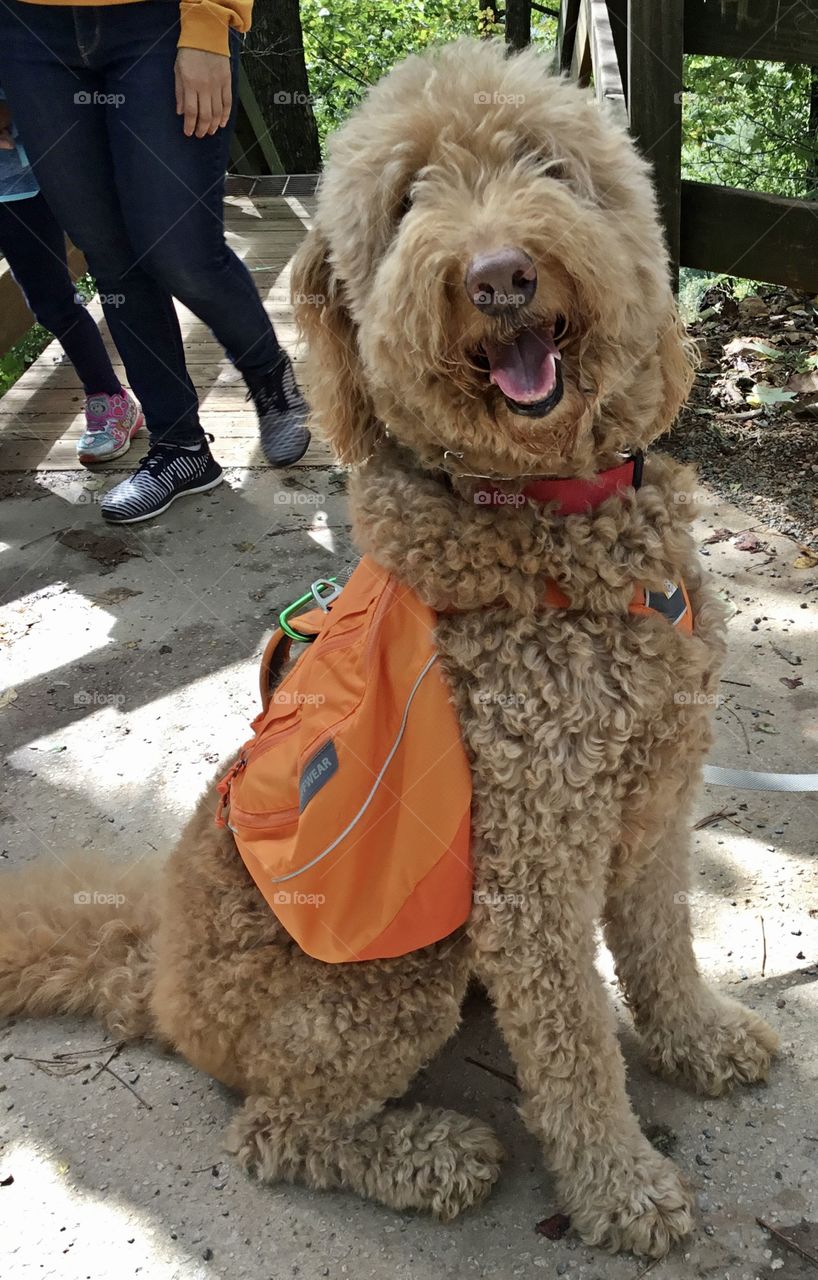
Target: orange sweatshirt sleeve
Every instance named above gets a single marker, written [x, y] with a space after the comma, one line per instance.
[205, 23]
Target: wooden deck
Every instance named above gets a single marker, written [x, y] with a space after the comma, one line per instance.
[41, 415]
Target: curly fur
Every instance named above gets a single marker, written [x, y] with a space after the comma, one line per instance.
[584, 758]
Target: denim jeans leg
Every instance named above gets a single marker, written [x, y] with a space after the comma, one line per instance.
[58, 103]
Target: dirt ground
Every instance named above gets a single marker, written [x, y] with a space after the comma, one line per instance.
[129, 671]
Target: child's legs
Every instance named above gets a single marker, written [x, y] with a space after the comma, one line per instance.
[171, 188]
[53, 86]
[34, 247]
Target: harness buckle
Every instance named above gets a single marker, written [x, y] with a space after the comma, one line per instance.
[324, 591]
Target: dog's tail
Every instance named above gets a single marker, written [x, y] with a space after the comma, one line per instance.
[77, 937]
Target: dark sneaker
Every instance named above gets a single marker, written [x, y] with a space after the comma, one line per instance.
[282, 415]
[164, 474]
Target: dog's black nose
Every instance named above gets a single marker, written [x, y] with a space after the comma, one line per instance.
[502, 281]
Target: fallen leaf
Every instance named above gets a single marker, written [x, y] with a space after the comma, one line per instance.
[807, 560]
[104, 548]
[762, 393]
[245, 546]
[792, 682]
[749, 542]
[114, 595]
[788, 655]
[553, 1228]
[10, 695]
[718, 535]
[738, 345]
[803, 383]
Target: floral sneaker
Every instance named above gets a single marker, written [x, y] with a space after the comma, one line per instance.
[111, 424]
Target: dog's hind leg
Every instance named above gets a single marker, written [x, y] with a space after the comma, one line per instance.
[77, 937]
[357, 1037]
[691, 1032]
[417, 1157]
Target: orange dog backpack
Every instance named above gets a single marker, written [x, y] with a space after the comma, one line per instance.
[351, 805]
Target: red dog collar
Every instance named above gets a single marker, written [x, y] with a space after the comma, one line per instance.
[576, 496]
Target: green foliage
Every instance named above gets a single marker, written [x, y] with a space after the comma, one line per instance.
[747, 124]
[21, 355]
[349, 44]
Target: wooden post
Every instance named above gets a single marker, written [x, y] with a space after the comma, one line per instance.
[518, 23]
[655, 45]
[566, 34]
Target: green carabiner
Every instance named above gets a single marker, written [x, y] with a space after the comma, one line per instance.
[286, 614]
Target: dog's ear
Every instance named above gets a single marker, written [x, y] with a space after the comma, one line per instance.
[678, 360]
[338, 394]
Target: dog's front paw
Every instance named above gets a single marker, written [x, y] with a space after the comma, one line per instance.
[639, 1204]
[715, 1046]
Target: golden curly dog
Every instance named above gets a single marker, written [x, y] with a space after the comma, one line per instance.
[485, 294]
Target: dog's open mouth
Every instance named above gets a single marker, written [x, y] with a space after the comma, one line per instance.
[526, 369]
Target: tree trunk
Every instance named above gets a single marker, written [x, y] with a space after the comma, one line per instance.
[518, 23]
[812, 128]
[274, 62]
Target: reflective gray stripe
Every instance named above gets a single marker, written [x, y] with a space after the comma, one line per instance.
[401, 729]
[748, 780]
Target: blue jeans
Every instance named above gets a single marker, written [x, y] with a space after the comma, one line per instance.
[34, 248]
[92, 92]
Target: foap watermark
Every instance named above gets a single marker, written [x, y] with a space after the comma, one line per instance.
[85, 98]
[696, 698]
[693, 497]
[292, 698]
[682, 899]
[96, 698]
[497, 99]
[298, 498]
[309, 299]
[112, 299]
[496, 498]
[283, 98]
[294, 897]
[483, 298]
[92, 898]
[501, 699]
[481, 897]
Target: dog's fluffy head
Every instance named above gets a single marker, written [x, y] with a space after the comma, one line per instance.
[453, 156]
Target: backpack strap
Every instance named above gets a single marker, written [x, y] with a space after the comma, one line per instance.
[277, 651]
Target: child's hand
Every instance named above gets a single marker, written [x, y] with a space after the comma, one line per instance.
[204, 91]
[7, 143]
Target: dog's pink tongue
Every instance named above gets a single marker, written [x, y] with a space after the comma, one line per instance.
[525, 370]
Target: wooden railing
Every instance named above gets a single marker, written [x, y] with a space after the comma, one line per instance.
[633, 51]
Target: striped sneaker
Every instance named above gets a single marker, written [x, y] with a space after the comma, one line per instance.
[111, 422]
[282, 415]
[166, 473]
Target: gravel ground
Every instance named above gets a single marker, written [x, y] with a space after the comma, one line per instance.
[763, 456]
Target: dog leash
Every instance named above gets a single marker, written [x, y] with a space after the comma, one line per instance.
[750, 780]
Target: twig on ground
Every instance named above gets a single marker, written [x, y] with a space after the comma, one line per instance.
[741, 683]
[789, 1244]
[493, 1071]
[764, 953]
[129, 1087]
[713, 817]
[52, 533]
[742, 725]
[103, 1066]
